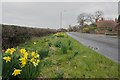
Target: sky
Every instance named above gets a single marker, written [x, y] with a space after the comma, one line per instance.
[59, 0]
[47, 14]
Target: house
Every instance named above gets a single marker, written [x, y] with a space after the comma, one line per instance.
[106, 26]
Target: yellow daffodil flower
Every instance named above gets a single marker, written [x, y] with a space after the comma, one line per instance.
[22, 51]
[10, 50]
[7, 59]
[25, 55]
[13, 49]
[32, 60]
[35, 55]
[7, 51]
[35, 64]
[38, 61]
[23, 62]
[34, 43]
[16, 72]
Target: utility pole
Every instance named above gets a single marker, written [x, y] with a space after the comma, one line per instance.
[60, 20]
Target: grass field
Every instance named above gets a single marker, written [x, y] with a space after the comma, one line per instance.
[69, 59]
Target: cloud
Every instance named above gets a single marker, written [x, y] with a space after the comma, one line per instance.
[59, 0]
[47, 14]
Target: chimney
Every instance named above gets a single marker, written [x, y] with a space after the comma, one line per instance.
[96, 20]
[102, 19]
[116, 20]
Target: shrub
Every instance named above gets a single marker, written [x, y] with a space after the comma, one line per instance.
[20, 63]
[86, 30]
[60, 34]
[13, 36]
[109, 29]
[92, 27]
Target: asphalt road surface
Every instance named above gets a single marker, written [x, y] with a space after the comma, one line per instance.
[105, 45]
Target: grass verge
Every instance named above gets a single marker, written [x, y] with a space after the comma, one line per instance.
[67, 58]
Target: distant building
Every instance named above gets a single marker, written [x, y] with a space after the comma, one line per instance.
[104, 26]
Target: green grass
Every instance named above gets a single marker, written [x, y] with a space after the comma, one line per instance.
[79, 61]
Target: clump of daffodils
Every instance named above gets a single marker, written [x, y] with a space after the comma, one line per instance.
[60, 34]
[10, 50]
[23, 58]
[34, 60]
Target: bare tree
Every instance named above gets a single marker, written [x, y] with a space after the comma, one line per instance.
[98, 15]
[90, 18]
[82, 18]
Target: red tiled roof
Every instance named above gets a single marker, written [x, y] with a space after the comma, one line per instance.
[106, 23]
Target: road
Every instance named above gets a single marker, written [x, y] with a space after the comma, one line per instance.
[105, 45]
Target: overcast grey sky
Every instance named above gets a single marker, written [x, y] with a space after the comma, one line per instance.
[47, 14]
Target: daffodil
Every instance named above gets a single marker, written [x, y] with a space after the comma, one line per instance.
[34, 43]
[32, 60]
[13, 49]
[7, 59]
[37, 61]
[35, 55]
[16, 72]
[7, 51]
[25, 55]
[10, 50]
[23, 62]
[22, 51]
